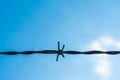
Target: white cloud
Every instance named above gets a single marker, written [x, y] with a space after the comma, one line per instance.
[103, 68]
[118, 44]
[107, 41]
[95, 45]
[102, 63]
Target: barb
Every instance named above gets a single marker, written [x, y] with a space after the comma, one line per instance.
[61, 52]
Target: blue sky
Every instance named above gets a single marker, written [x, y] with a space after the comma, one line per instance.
[79, 24]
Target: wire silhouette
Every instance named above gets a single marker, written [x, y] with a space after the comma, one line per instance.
[61, 52]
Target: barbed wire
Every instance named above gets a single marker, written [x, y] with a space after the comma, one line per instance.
[61, 52]
[65, 52]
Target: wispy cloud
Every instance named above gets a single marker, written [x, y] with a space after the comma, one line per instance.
[102, 63]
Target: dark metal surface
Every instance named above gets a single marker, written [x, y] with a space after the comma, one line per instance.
[60, 52]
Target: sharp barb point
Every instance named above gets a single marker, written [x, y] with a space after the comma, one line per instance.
[61, 52]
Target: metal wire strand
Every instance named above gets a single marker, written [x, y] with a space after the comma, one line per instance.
[61, 52]
[65, 52]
